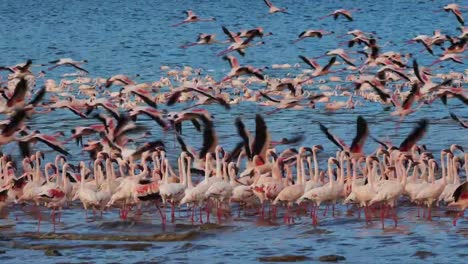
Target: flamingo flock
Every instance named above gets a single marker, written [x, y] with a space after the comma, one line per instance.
[125, 167]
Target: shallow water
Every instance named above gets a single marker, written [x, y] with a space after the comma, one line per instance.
[135, 37]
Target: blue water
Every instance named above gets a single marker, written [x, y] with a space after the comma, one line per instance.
[135, 37]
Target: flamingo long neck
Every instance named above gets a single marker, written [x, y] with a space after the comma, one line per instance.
[453, 170]
[431, 173]
[316, 168]
[166, 171]
[96, 173]
[456, 176]
[37, 174]
[381, 166]
[156, 162]
[303, 177]
[56, 162]
[121, 170]
[348, 168]
[309, 165]
[289, 177]
[189, 174]
[82, 174]
[442, 164]
[449, 170]
[276, 171]
[373, 176]
[225, 172]
[354, 172]
[341, 179]
[112, 170]
[100, 175]
[330, 175]
[184, 173]
[404, 176]
[46, 172]
[145, 166]
[298, 169]
[109, 169]
[65, 182]
[181, 171]
[207, 169]
[132, 169]
[415, 174]
[424, 174]
[407, 169]
[466, 166]
[59, 179]
[218, 165]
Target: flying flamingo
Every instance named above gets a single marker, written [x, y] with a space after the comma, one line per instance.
[274, 9]
[239, 44]
[237, 70]
[449, 56]
[357, 145]
[311, 33]
[318, 70]
[203, 39]
[455, 9]
[68, 62]
[192, 17]
[341, 12]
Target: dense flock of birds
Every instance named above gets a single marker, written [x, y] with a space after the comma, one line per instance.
[126, 175]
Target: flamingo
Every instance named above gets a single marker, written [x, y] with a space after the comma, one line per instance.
[237, 70]
[292, 193]
[192, 18]
[357, 145]
[363, 194]
[340, 12]
[274, 9]
[314, 181]
[239, 45]
[56, 195]
[388, 191]
[455, 9]
[431, 192]
[68, 62]
[86, 193]
[170, 192]
[318, 70]
[319, 195]
[203, 39]
[222, 190]
[453, 180]
[460, 200]
[311, 33]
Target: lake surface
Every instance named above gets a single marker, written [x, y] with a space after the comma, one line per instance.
[135, 37]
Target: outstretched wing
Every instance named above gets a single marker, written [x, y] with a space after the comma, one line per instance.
[415, 135]
[361, 136]
[337, 141]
